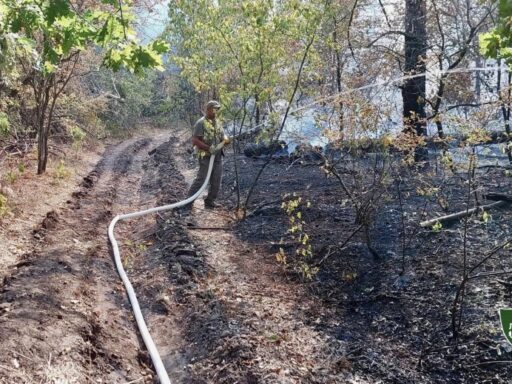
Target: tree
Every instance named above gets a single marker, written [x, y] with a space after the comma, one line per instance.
[56, 31]
[246, 53]
[451, 48]
[413, 89]
[497, 44]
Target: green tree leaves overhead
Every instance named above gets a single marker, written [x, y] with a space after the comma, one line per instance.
[52, 33]
[497, 43]
[241, 49]
[57, 29]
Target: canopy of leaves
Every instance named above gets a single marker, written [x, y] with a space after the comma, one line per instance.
[497, 43]
[241, 49]
[53, 30]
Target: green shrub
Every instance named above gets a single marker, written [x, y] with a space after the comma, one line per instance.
[62, 172]
[3, 205]
[5, 126]
[78, 136]
[11, 176]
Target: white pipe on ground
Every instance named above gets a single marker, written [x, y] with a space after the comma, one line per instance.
[148, 341]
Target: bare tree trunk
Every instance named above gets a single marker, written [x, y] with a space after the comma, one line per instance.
[478, 80]
[257, 109]
[42, 151]
[338, 72]
[413, 90]
[505, 106]
[437, 105]
[42, 88]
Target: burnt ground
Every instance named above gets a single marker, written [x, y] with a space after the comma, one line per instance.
[393, 314]
[222, 309]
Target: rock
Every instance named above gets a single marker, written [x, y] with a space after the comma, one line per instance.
[275, 148]
[51, 220]
[307, 153]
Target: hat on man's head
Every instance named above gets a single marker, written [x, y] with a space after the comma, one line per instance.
[213, 104]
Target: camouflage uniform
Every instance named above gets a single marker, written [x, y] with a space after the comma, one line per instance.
[212, 134]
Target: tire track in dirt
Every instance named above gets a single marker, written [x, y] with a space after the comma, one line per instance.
[64, 314]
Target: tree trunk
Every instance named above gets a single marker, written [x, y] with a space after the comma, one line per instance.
[505, 107]
[42, 150]
[257, 107]
[478, 80]
[43, 90]
[413, 90]
[338, 73]
[437, 105]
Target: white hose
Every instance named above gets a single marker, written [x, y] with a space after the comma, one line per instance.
[150, 345]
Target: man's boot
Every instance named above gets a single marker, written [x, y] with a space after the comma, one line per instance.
[210, 204]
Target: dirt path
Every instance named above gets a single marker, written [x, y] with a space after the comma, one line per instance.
[63, 313]
[227, 312]
[275, 317]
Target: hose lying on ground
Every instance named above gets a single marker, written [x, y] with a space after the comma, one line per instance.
[148, 341]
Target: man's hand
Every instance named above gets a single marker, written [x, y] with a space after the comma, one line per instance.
[227, 140]
[214, 149]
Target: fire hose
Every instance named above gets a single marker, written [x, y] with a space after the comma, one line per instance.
[148, 341]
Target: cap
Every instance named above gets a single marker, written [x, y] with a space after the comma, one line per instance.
[213, 104]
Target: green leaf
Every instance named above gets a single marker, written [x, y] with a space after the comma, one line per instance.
[437, 226]
[160, 46]
[48, 67]
[505, 8]
[69, 43]
[490, 44]
[56, 9]
[113, 59]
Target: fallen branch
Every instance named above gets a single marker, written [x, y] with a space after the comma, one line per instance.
[506, 284]
[210, 228]
[259, 208]
[461, 214]
[498, 197]
[492, 166]
[489, 362]
[491, 274]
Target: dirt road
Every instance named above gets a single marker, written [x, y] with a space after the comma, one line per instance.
[63, 313]
[216, 307]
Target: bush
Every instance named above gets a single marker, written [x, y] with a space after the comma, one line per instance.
[3, 205]
[129, 98]
[78, 136]
[5, 126]
[62, 172]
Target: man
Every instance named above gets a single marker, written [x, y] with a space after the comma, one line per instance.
[207, 137]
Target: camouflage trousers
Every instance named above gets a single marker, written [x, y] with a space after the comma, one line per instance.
[215, 178]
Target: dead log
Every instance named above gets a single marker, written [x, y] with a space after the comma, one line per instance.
[498, 197]
[462, 214]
